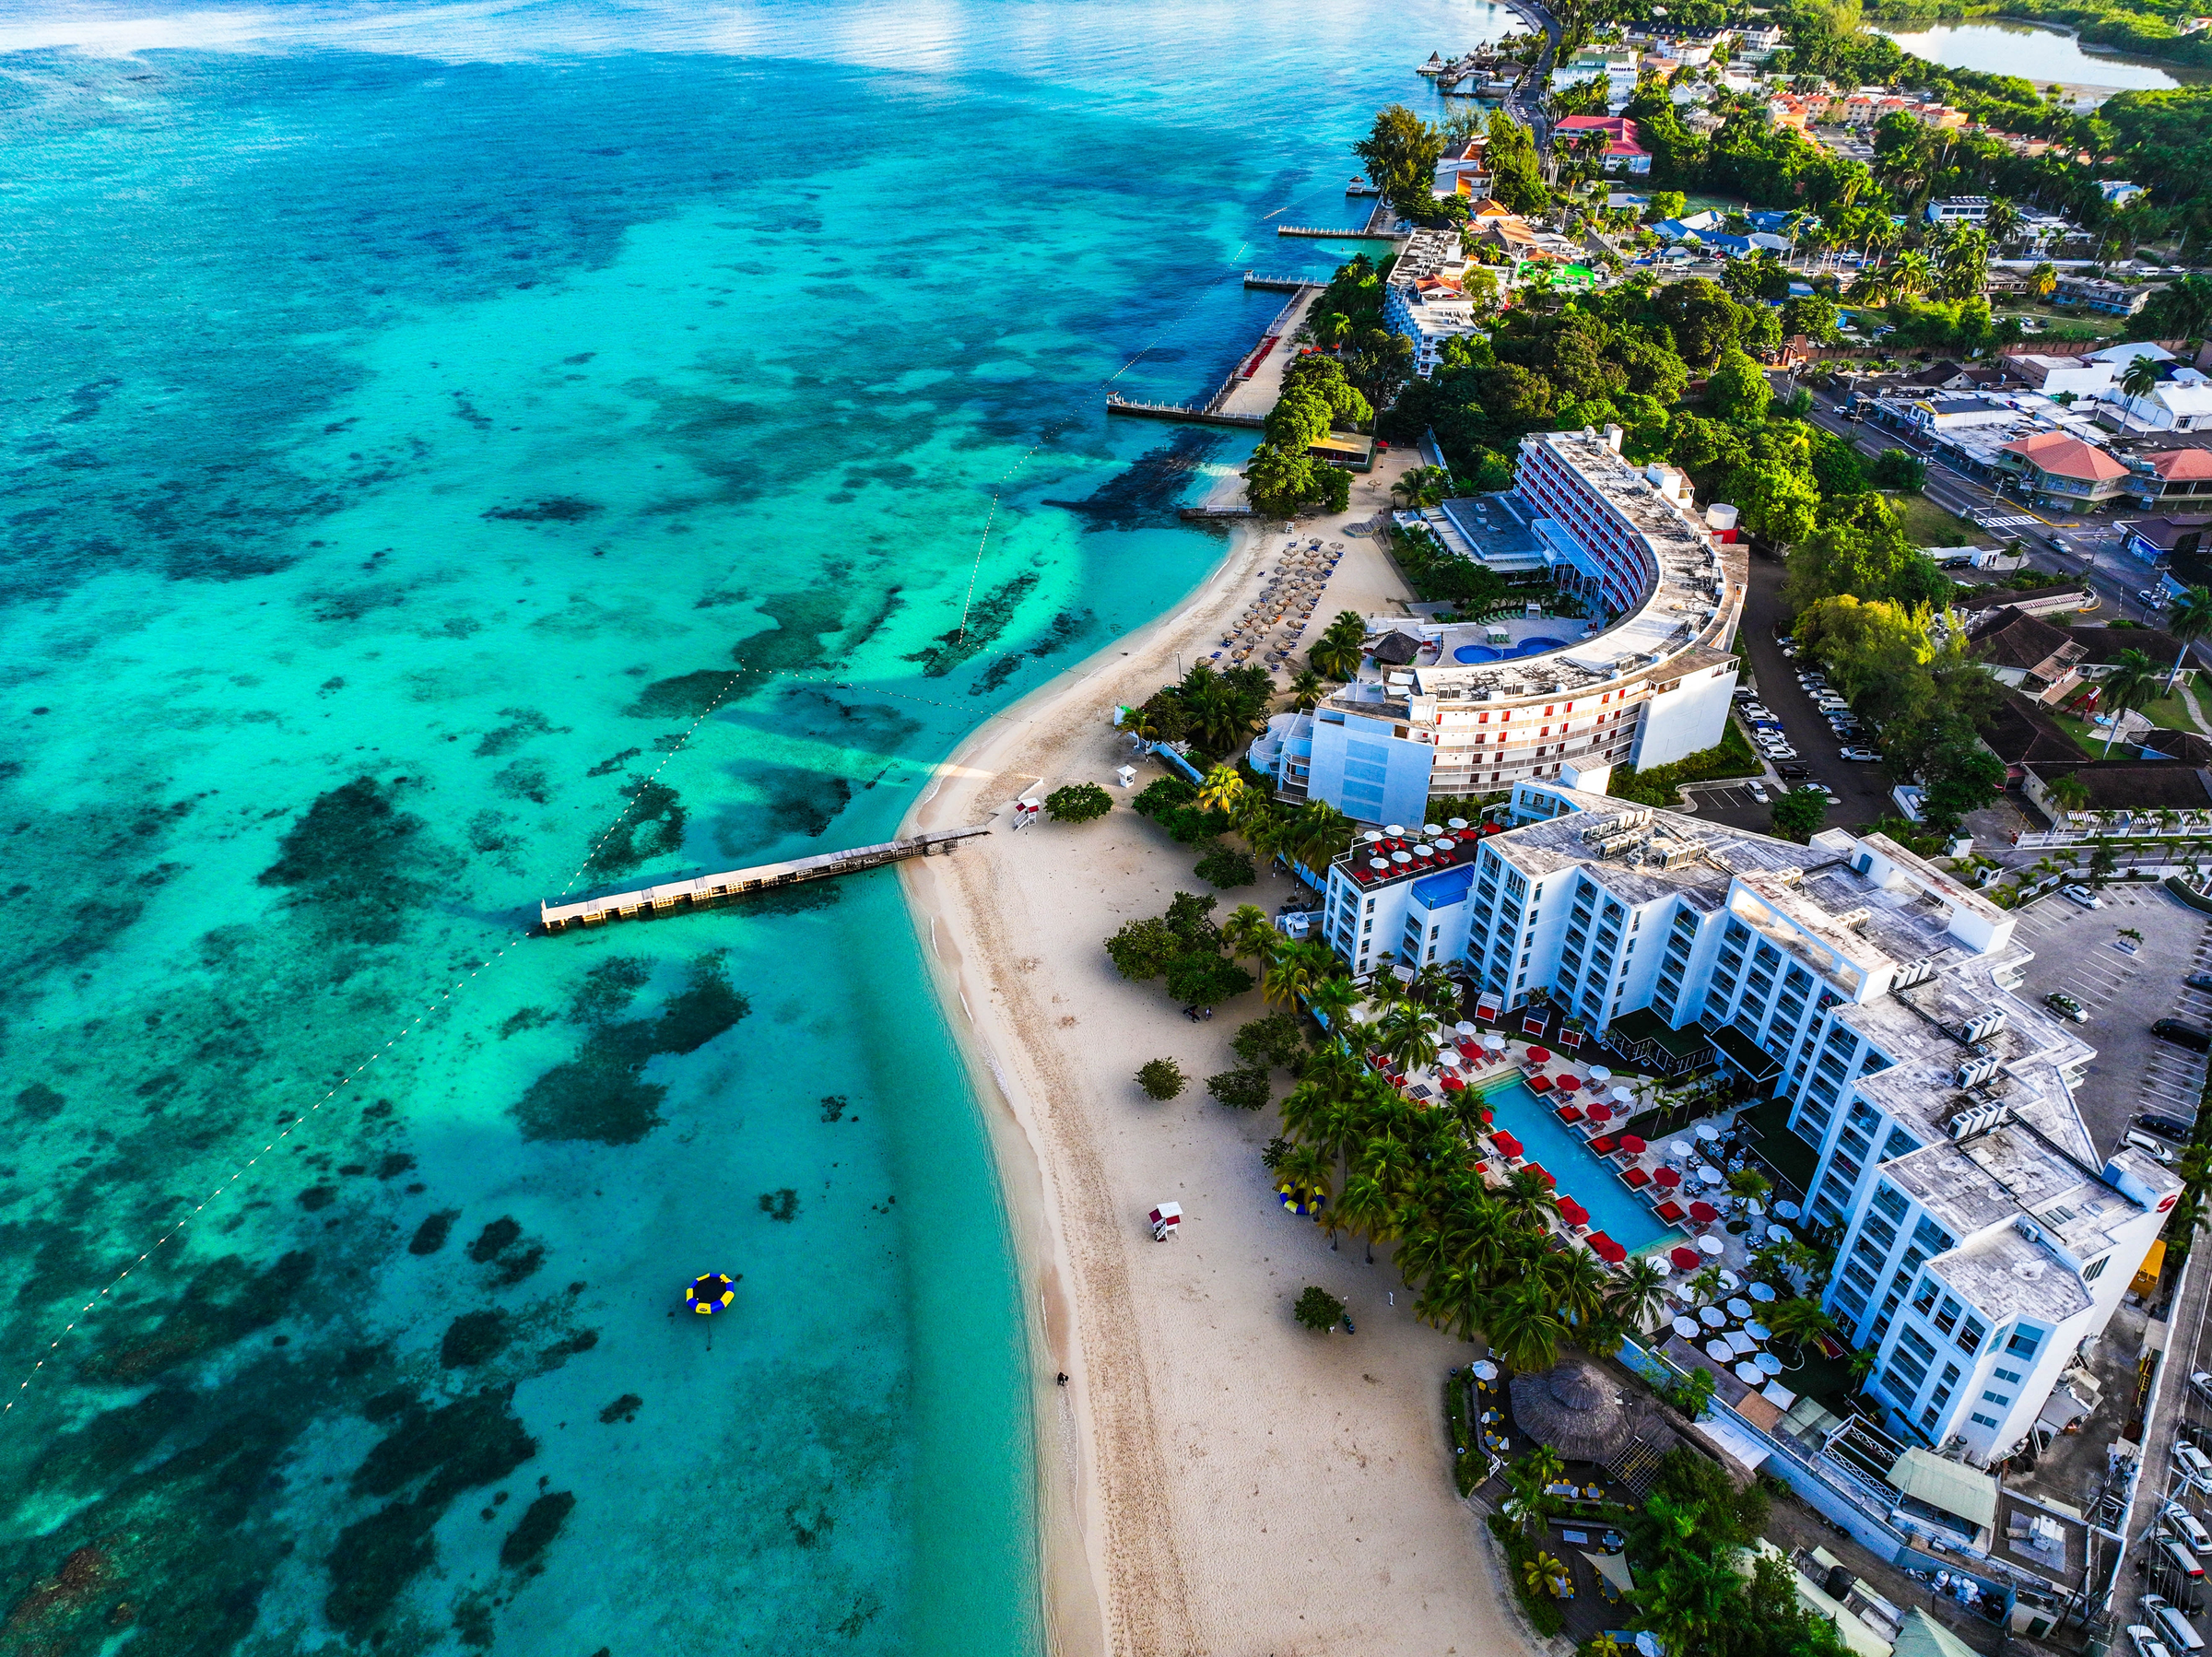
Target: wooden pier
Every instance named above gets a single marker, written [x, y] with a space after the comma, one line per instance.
[712, 891]
[1316, 233]
[1196, 414]
[1279, 284]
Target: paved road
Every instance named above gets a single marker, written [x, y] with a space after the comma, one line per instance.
[1532, 95]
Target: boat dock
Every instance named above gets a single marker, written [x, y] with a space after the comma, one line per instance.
[712, 891]
[1316, 233]
[1277, 284]
[1196, 414]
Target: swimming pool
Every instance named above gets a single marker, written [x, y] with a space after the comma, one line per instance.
[1526, 647]
[1582, 1176]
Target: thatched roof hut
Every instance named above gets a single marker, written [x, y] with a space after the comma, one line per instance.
[1575, 1408]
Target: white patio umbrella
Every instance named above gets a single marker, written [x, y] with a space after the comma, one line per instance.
[1708, 1132]
[1598, 1073]
[1786, 1211]
[1709, 1244]
[1463, 1028]
[1711, 1175]
[1677, 1147]
[1621, 1096]
[1485, 1370]
[1761, 1291]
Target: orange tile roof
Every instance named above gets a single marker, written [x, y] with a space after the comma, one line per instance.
[2065, 456]
[2181, 464]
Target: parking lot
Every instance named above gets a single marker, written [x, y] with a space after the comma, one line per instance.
[2125, 987]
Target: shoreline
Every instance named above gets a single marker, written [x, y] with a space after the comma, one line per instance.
[1195, 1480]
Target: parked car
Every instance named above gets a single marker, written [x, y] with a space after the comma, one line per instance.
[1781, 753]
[2082, 895]
[2149, 1146]
[2189, 1526]
[2201, 1382]
[2145, 1642]
[2065, 1006]
[2150, 598]
[1757, 711]
[1757, 790]
[1792, 772]
[1861, 755]
[2171, 1623]
[2182, 1033]
[2199, 980]
[2166, 1127]
[2193, 1465]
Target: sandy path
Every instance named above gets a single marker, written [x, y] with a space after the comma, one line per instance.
[1214, 1478]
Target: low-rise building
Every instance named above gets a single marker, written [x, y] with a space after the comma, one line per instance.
[2121, 792]
[2054, 375]
[1982, 1236]
[1424, 301]
[2056, 467]
[2029, 655]
[2181, 403]
[1622, 153]
[2096, 293]
[2118, 192]
[2172, 475]
[2159, 541]
[1956, 209]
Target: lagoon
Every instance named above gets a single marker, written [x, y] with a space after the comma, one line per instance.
[2043, 56]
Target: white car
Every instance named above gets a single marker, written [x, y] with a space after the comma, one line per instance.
[2083, 895]
[2189, 1527]
[1780, 753]
[1757, 790]
[2201, 1382]
[1755, 711]
[2193, 1465]
[1861, 755]
[2146, 1643]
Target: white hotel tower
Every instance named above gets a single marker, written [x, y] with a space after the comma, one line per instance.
[1984, 1236]
[1472, 707]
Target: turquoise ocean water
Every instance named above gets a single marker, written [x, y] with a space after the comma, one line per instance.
[459, 455]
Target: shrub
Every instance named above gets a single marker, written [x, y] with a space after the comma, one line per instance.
[1078, 802]
[1731, 757]
[1318, 1309]
[1201, 980]
[1161, 1078]
[1898, 469]
[1245, 1088]
[1225, 867]
[1275, 1040]
[1161, 795]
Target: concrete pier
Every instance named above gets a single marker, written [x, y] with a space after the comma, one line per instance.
[712, 891]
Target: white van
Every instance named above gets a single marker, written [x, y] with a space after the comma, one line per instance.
[2191, 1527]
[2176, 1627]
[2194, 1465]
[2149, 1148]
[2179, 1557]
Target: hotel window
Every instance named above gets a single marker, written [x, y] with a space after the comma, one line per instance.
[1999, 1399]
[1888, 1199]
[2024, 1342]
[2094, 1269]
[1985, 1420]
[1947, 1316]
[2011, 1375]
[1926, 1297]
[1970, 1335]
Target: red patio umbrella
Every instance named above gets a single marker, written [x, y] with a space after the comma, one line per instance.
[1631, 1145]
[1541, 1172]
[1572, 1212]
[1600, 1112]
[1507, 1144]
[1539, 1055]
[1571, 1084]
[1453, 1085]
[1605, 1249]
[1703, 1213]
[1669, 1177]
[1686, 1259]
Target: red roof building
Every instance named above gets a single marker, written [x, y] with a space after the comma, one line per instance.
[2059, 468]
[2176, 474]
[1622, 152]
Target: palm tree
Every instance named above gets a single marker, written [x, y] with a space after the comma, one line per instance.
[1249, 933]
[1524, 1327]
[1317, 832]
[1336, 654]
[2188, 620]
[2133, 681]
[1303, 1168]
[1543, 1573]
[2043, 281]
[1331, 999]
[2140, 381]
[1686, 1600]
[1435, 989]
[1367, 1209]
[1294, 970]
[2003, 222]
[1799, 1320]
[1911, 272]
[1532, 1196]
[1307, 688]
[1409, 1038]
[1637, 1293]
[2070, 792]
[1579, 1283]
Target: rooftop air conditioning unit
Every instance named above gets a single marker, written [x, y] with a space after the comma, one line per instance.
[1974, 1072]
[2028, 1228]
[1984, 1027]
[1978, 1119]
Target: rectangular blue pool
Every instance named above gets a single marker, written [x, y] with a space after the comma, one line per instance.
[1614, 1209]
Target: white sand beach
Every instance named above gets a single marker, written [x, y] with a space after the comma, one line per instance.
[1214, 1478]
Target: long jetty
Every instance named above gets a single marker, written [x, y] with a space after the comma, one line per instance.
[1197, 414]
[1277, 284]
[1319, 233]
[712, 891]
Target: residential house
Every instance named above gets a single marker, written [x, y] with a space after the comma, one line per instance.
[1622, 152]
[2121, 355]
[1946, 375]
[1942, 413]
[1760, 43]
[2059, 376]
[2121, 791]
[1955, 209]
[2095, 293]
[2118, 192]
[2056, 467]
[2171, 474]
[2027, 655]
[2100, 647]
[1974, 606]
[2021, 733]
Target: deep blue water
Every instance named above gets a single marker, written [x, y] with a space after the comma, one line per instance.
[463, 454]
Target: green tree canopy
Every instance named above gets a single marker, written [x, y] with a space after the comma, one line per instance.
[1400, 153]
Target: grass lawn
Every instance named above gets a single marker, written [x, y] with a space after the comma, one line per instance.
[2167, 711]
[2080, 322]
[1927, 524]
